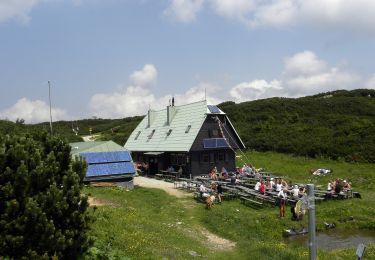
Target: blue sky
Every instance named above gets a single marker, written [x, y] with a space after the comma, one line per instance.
[117, 58]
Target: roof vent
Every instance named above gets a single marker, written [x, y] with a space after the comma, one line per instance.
[169, 132]
[187, 129]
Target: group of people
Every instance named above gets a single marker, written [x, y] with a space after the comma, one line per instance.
[216, 189]
[337, 186]
[215, 175]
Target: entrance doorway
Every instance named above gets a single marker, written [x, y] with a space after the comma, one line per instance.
[153, 165]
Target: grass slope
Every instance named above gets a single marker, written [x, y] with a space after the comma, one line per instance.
[149, 224]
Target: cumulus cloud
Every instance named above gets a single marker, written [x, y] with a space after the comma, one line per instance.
[353, 15]
[255, 89]
[16, 9]
[304, 74]
[183, 10]
[146, 76]
[135, 99]
[32, 111]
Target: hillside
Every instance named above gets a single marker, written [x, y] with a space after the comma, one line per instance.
[338, 125]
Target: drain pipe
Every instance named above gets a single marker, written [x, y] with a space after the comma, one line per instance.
[311, 208]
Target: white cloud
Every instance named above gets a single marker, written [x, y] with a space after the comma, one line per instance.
[146, 76]
[184, 10]
[256, 89]
[370, 83]
[233, 9]
[137, 98]
[32, 111]
[16, 9]
[343, 15]
[304, 74]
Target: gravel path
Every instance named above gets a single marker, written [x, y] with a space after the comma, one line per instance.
[160, 184]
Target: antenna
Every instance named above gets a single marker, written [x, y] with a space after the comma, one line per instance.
[50, 109]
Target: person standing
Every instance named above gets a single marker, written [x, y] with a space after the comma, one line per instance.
[282, 196]
[219, 190]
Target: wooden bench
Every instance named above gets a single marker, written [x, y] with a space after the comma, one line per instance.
[250, 202]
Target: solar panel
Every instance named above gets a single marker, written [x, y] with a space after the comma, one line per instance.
[209, 143]
[110, 169]
[221, 142]
[214, 109]
[214, 143]
[105, 157]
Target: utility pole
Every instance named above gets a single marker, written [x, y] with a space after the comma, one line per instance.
[311, 208]
[50, 106]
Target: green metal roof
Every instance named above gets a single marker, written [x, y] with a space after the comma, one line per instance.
[163, 137]
[94, 146]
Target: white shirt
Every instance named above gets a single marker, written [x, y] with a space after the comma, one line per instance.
[202, 188]
[279, 187]
[295, 192]
[257, 186]
[282, 195]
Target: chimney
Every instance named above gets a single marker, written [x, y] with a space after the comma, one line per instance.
[171, 111]
[150, 117]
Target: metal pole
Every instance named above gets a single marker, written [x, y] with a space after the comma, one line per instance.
[311, 208]
[50, 109]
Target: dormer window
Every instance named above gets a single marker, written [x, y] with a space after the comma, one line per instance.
[152, 133]
[169, 132]
[187, 129]
[136, 137]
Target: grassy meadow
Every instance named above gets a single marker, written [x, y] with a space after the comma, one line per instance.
[150, 224]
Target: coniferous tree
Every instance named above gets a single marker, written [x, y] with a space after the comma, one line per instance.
[42, 210]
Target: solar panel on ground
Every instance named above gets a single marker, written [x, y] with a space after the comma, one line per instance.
[105, 157]
[214, 109]
[110, 169]
[214, 143]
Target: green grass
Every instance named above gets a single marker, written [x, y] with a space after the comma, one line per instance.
[150, 224]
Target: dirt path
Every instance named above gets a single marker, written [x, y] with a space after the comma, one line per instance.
[213, 241]
[159, 184]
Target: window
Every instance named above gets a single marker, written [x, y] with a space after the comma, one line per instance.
[214, 133]
[152, 133]
[187, 129]
[205, 157]
[136, 137]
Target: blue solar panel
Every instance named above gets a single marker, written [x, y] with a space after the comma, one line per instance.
[214, 143]
[209, 143]
[221, 142]
[104, 157]
[214, 109]
[110, 169]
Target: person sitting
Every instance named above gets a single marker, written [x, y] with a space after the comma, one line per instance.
[271, 184]
[224, 173]
[262, 188]
[338, 186]
[257, 186]
[170, 169]
[346, 186]
[203, 191]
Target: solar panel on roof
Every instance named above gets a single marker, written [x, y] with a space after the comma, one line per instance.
[214, 109]
[105, 157]
[214, 143]
[110, 169]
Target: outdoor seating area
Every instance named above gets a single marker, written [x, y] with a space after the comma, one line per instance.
[246, 190]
